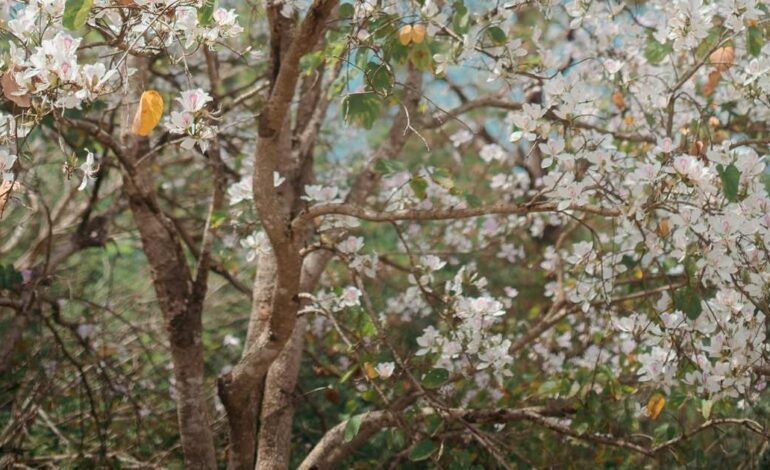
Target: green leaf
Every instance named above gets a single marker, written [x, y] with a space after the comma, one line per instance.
[581, 428]
[731, 179]
[420, 186]
[348, 375]
[573, 390]
[387, 166]
[205, 12]
[706, 406]
[461, 18]
[435, 378]
[361, 108]
[420, 56]
[432, 423]
[709, 43]
[9, 277]
[347, 10]
[397, 52]
[655, 52]
[397, 438]
[754, 40]
[497, 35]
[422, 450]
[676, 399]
[76, 13]
[473, 200]
[378, 77]
[309, 63]
[687, 300]
[443, 178]
[368, 329]
[549, 388]
[352, 427]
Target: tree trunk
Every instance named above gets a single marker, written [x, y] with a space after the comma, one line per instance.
[241, 404]
[182, 308]
[278, 404]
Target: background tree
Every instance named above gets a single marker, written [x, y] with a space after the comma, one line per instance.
[307, 234]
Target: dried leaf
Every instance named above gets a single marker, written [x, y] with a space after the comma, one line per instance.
[148, 114]
[655, 405]
[712, 83]
[722, 58]
[697, 149]
[370, 370]
[11, 89]
[618, 99]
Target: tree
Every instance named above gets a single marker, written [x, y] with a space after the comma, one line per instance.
[453, 234]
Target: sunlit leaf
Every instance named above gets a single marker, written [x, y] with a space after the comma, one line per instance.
[206, 11]
[370, 371]
[706, 406]
[352, 427]
[76, 13]
[655, 405]
[420, 186]
[361, 108]
[148, 113]
[655, 52]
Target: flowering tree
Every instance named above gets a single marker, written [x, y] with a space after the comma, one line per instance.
[463, 234]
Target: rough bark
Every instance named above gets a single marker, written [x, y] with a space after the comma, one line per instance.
[241, 403]
[275, 422]
[180, 297]
[181, 305]
[272, 323]
[275, 434]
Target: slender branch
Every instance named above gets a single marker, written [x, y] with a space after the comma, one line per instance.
[441, 214]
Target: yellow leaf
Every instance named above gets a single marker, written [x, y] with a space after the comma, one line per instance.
[411, 33]
[663, 228]
[405, 35]
[370, 371]
[706, 408]
[148, 114]
[655, 405]
[418, 33]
